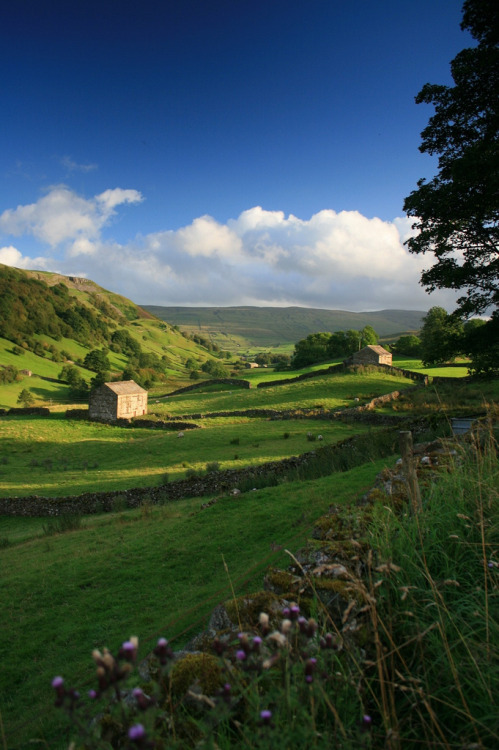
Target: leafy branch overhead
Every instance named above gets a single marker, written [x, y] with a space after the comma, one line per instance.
[457, 212]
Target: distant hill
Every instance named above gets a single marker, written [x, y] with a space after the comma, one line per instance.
[235, 328]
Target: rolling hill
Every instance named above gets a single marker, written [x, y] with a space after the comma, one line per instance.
[49, 321]
[239, 328]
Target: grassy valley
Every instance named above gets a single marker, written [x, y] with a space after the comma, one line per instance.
[74, 583]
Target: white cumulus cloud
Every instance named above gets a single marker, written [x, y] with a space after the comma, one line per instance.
[61, 215]
[331, 260]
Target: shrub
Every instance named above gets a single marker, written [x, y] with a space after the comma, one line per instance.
[213, 466]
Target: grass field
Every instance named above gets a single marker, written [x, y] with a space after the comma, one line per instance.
[55, 456]
[155, 571]
[158, 570]
[332, 391]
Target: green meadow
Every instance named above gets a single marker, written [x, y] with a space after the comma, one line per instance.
[151, 572]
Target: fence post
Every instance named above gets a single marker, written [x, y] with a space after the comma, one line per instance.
[409, 469]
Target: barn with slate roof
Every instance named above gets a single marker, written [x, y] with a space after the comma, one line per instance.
[121, 400]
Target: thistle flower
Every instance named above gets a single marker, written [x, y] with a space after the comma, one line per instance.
[264, 622]
[310, 665]
[266, 717]
[137, 733]
[163, 651]
[128, 650]
[365, 724]
[257, 642]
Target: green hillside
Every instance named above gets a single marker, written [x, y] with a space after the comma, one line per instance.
[241, 328]
[49, 322]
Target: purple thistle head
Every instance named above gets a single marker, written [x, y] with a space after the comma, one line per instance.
[128, 650]
[365, 724]
[266, 716]
[257, 642]
[57, 682]
[294, 611]
[241, 655]
[136, 733]
[92, 694]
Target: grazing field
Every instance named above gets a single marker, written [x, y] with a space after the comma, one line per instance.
[54, 456]
[155, 571]
[332, 391]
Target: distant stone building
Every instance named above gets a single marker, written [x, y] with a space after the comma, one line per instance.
[251, 365]
[122, 400]
[371, 355]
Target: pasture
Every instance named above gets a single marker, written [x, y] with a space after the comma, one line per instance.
[151, 572]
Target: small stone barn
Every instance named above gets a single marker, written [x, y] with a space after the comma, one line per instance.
[371, 355]
[122, 400]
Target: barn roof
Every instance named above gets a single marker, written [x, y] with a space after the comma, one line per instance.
[376, 348]
[125, 387]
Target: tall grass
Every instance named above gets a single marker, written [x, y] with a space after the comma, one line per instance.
[436, 608]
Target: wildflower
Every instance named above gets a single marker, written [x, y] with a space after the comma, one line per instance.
[310, 665]
[365, 724]
[241, 655]
[264, 622]
[128, 650]
[286, 626]
[227, 692]
[278, 638]
[257, 642]
[294, 611]
[244, 642]
[60, 690]
[311, 628]
[327, 641]
[163, 651]
[266, 717]
[137, 733]
[92, 694]
[143, 701]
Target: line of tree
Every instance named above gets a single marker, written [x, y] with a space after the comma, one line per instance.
[320, 347]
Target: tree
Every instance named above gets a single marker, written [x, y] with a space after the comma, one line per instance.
[441, 336]
[26, 398]
[97, 360]
[409, 345]
[215, 369]
[368, 336]
[457, 212]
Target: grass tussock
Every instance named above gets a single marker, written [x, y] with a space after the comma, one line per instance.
[409, 660]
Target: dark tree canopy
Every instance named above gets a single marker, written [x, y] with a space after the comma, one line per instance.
[457, 212]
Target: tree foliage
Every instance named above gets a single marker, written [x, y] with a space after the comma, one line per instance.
[457, 212]
[26, 398]
[441, 337]
[319, 347]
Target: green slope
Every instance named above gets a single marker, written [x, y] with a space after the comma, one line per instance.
[47, 320]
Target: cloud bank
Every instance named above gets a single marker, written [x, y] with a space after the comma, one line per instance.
[332, 260]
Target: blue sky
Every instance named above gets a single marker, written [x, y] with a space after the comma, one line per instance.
[221, 152]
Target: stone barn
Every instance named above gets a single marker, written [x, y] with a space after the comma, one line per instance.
[371, 355]
[121, 400]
